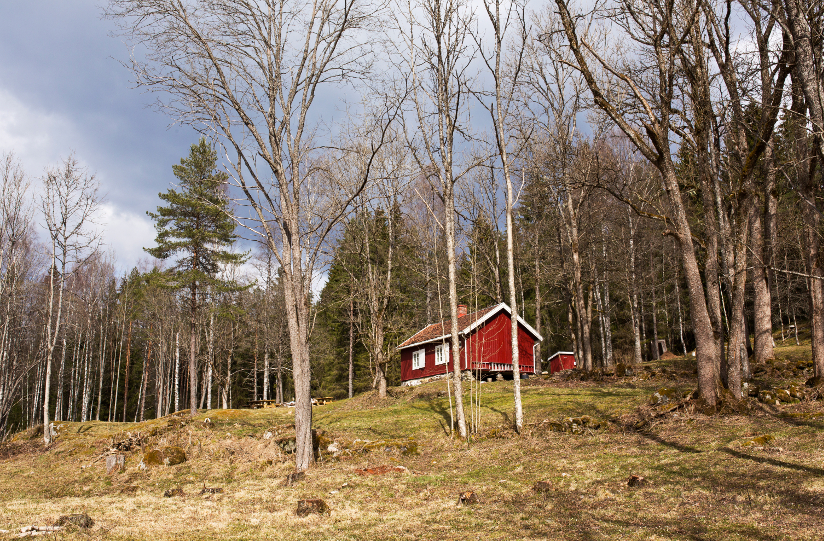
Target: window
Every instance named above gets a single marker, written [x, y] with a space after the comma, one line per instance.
[442, 354]
[418, 359]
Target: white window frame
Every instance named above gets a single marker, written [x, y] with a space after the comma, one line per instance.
[442, 353]
[420, 362]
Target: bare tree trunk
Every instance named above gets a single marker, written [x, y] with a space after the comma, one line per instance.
[538, 302]
[265, 371]
[636, 326]
[211, 362]
[126, 377]
[352, 335]
[192, 349]
[762, 302]
[177, 371]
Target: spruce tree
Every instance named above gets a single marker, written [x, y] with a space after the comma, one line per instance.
[197, 230]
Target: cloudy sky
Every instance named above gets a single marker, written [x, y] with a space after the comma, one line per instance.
[62, 90]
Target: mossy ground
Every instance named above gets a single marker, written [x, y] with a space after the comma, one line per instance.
[705, 481]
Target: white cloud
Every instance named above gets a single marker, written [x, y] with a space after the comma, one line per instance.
[126, 233]
[33, 135]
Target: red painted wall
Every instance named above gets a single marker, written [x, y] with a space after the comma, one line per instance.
[430, 369]
[562, 362]
[489, 345]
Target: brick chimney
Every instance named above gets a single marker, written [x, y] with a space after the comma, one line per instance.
[461, 310]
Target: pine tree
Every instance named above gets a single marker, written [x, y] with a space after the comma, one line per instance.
[196, 228]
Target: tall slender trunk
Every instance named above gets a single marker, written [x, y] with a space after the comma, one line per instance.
[104, 336]
[636, 326]
[762, 301]
[538, 303]
[654, 341]
[352, 333]
[192, 349]
[145, 380]
[177, 371]
[455, 349]
[265, 371]
[126, 376]
[211, 362]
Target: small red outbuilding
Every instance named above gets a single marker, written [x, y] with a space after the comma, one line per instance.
[485, 345]
[563, 360]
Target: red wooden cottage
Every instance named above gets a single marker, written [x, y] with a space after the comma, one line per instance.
[485, 345]
[562, 360]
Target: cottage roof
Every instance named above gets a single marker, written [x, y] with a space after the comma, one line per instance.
[466, 324]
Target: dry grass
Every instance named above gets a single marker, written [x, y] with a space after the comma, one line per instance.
[704, 483]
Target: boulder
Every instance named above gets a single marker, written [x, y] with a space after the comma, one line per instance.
[172, 456]
[310, 506]
[168, 456]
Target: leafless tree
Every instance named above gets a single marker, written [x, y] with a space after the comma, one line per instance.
[249, 73]
[436, 49]
[505, 69]
[15, 236]
[69, 201]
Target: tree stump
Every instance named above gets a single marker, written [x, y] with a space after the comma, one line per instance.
[115, 463]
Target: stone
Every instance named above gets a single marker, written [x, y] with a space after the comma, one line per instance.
[115, 463]
[543, 486]
[150, 459]
[293, 478]
[79, 520]
[758, 441]
[310, 506]
[168, 456]
[288, 444]
[172, 456]
[782, 394]
[766, 397]
[664, 395]
[172, 492]
[636, 481]
[467, 498]
[796, 392]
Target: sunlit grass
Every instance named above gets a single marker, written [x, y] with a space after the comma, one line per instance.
[704, 483]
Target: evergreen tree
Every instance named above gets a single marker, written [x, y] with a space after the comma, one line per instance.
[196, 228]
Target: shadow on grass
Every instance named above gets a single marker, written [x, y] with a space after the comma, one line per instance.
[436, 406]
[773, 462]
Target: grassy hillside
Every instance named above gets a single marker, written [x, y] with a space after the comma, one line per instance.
[707, 477]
